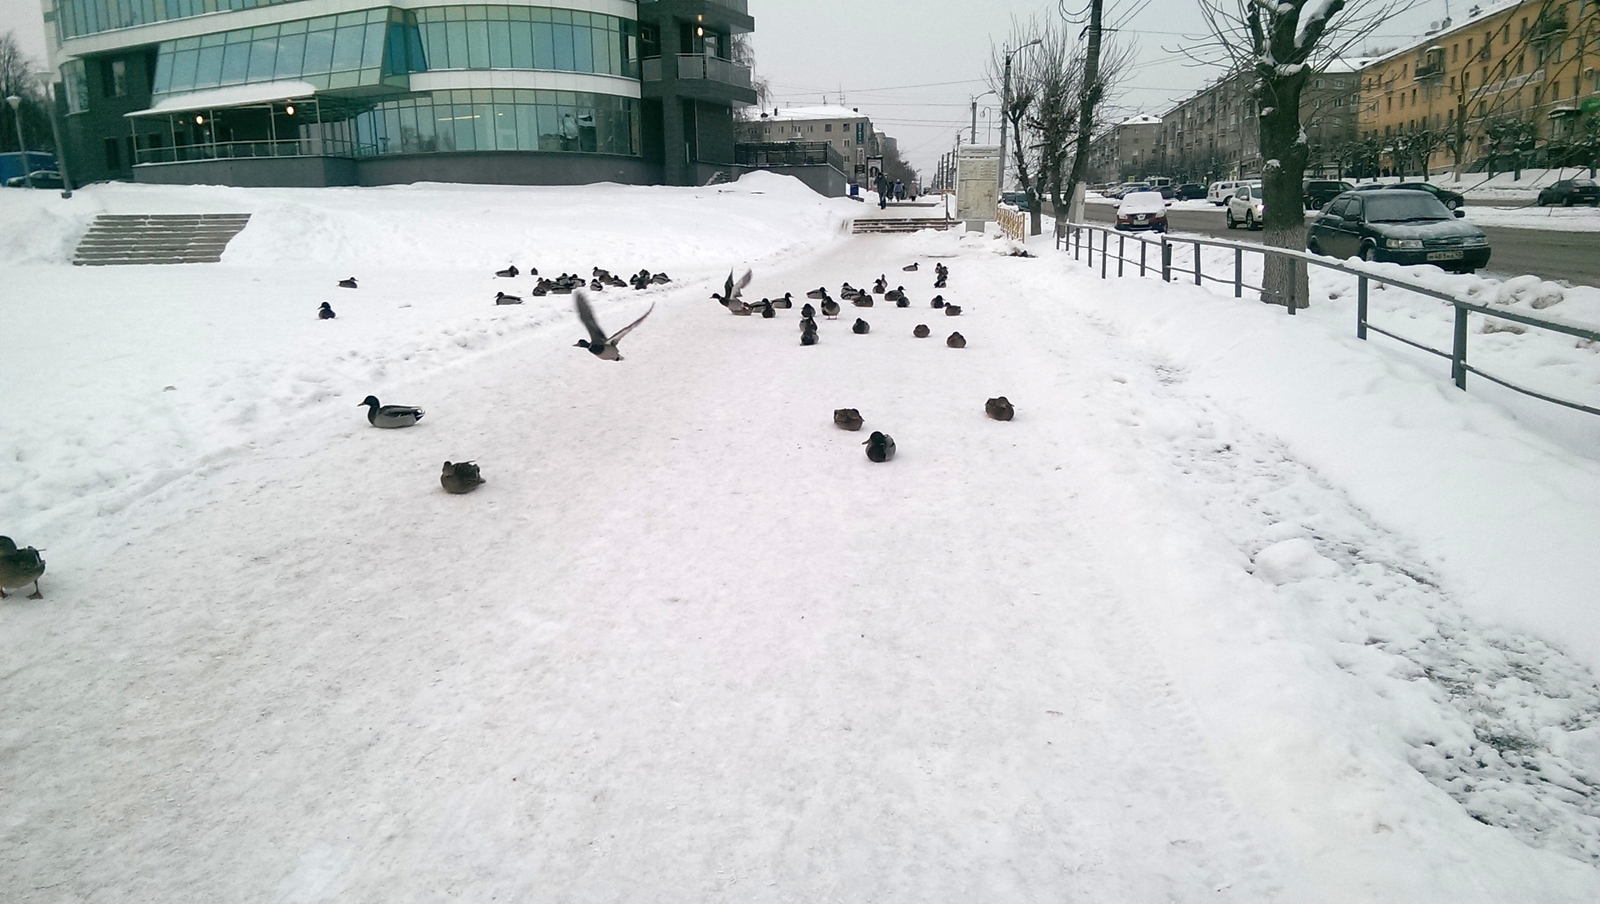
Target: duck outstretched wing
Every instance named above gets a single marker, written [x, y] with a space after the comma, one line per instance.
[629, 328]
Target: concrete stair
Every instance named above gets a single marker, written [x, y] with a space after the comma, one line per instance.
[158, 238]
[879, 225]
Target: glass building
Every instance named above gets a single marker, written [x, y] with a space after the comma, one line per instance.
[341, 92]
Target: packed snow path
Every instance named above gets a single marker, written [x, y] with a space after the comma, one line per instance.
[689, 644]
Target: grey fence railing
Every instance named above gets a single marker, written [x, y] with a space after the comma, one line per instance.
[1079, 239]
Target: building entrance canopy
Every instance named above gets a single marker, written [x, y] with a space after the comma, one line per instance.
[234, 96]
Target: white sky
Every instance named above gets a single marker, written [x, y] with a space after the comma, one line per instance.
[913, 65]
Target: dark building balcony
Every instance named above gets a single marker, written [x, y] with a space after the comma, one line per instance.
[722, 15]
[700, 76]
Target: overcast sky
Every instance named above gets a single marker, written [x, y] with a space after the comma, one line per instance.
[913, 65]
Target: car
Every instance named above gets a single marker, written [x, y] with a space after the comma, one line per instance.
[1451, 200]
[1017, 199]
[1190, 191]
[1168, 191]
[1568, 192]
[1142, 210]
[1128, 188]
[1401, 226]
[1220, 192]
[1244, 206]
[41, 179]
[1318, 192]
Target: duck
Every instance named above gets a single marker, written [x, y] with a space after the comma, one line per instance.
[640, 280]
[952, 310]
[817, 294]
[880, 285]
[660, 279]
[880, 446]
[460, 477]
[508, 273]
[19, 568]
[390, 416]
[956, 340]
[862, 301]
[596, 285]
[910, 268]
[326, 312]
[860, 327]
[349, 283]
[730, 293]
[767, 312]
[921, 332]
[830, 308]
[503, 298]
[847, 419]
[541, 288]
[599, 344]
[999, 408]
[806, 323]
[807, 311]
[808, 336]
[938, 301]
[896, 295]
[786, 302]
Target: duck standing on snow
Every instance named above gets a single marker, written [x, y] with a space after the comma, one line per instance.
[807, 311]
[808, 333]
[509, 272]
[390, 416]
[460, 477]
[830, 308]
[730, 292]
[938, 301]
[819, 293]
[847, 419]
[349, 283]
[19, 568]
[880, 446]
[599, 344]
[787, 301]
[326, 312]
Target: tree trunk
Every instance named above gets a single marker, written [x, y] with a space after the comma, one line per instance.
[1087, 101]
[1283, 146]
[1035, 215]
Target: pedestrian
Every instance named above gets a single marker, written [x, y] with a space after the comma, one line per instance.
[882, 185]
[899, 190]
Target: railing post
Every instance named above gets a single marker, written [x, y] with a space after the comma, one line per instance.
[1361, 307]
[1197, 263]
[1105, 243]
[1166, 260]
[1143, 247]
[1121, 245]
[1238, 273]
[1458, 355]
[1089, 262]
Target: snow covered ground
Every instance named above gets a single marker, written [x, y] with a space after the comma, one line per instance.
[1237, 609]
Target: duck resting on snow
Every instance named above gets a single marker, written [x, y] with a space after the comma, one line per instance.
[460, 477]
[19, 568]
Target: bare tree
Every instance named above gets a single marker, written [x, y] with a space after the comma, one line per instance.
[1281, 43]
[17, 79]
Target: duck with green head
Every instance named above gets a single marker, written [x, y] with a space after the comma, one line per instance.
[19, 568]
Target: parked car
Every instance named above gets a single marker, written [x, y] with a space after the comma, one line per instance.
[1401, 226]
[1017, 199]
[41, 179]
[1127, 188]
[1244, 206]
[1318, 192]
[1142, 210]
[1220, 192]
[1191, 191]
[1568, 192]
[1168, 191]
[1451, 200]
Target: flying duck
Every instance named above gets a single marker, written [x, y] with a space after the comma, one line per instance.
[921, 332]
[599, 344]
[956, 340]
[952, 310]
[326, 312]
[503, 298]
[509, 272]
[730, 293]
[847, 418]
[347, 283]
[460, 477]
[860, 327]
[390, 416]
[880, 446]
[830, 308]
[1000, 409]
[19, 568]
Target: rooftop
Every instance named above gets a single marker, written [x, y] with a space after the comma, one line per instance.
[829, 111]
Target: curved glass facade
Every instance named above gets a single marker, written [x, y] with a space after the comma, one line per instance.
[524, 37]
[75, 18]
[501, 119]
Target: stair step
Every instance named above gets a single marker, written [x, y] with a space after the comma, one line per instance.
[119, 239]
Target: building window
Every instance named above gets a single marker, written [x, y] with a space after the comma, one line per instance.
[828, 127]
[114, 78]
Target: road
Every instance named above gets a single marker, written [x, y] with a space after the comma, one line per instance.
[1546, 253]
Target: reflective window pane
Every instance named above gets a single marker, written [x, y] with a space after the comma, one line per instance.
[372, 50]
[291, 50]
[319, 52]
[347, 48]
[263, 60]
[521, 34]
[499, 44]
[477, 44]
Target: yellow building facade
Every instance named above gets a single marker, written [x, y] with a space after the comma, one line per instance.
[1537, 61]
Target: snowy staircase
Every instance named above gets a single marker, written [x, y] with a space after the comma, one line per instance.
[198, 238]
[878, 225]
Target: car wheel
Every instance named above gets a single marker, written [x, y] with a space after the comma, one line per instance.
[1250, 221]
[1566, 202]
[1232, 224]
[1311, 245]
[1452, 204]
[1369, 253]
[1540, 201]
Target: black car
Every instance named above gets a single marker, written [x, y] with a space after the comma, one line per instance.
[1451, 200]
[1399, 226]
[1317, 192]
[1568, 192]
[1190, 191]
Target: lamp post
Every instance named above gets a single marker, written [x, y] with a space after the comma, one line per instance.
[974, 137]
[1005, 111]
[55, 133]
[22, 149]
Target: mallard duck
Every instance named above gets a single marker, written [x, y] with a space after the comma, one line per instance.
[503, 298]
[509, 272]
[806, 323]
[599, 344]
[326, 312]
[730, 293]
[830, 308]
[956, 340]
[390, 416]
[847, 419]
[880, 285]
[860, 327]
[952, 310]
[921, 332]
[809, 336]
[460, 477]
[767, 313]
[1000, 409]
[911, 268]
[596, 285]
[807, 311]
[817, 294]
[938, 301]
[347, 283]
[862, 301]
[19, 568]
[786, 302]
[660, 279]
[880, 446]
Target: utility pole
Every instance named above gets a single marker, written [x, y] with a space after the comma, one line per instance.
[974, 121]
[1005, 108]
[1092, 92]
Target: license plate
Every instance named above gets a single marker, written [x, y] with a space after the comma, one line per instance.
[1444, 255]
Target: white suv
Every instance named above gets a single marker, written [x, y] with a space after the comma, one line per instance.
[1220, 192]
[1245, 206]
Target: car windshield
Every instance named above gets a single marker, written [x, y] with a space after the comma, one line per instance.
[1398, 208]
[1583, 183]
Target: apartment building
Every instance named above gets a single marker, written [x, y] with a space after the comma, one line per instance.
[1127, 150]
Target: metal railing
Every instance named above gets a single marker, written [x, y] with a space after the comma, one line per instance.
[712, 68]
[739, 6]
[224, 150]
[1080, 238]
[650, 69]
[787, 153]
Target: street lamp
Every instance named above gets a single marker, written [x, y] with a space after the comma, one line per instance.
[974, 139]
[1005, 110]
[48, 77]
[22, 149]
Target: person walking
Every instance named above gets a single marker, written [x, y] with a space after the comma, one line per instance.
[882, 185]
